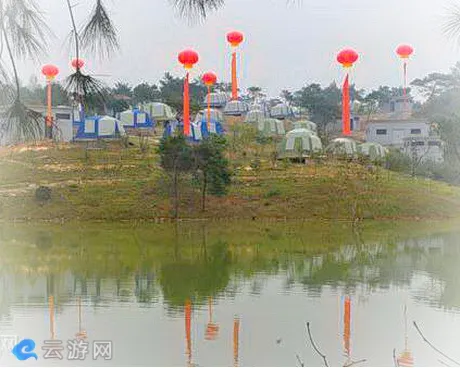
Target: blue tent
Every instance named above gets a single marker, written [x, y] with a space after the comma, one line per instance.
[172, 127]
[96, 127]
[136, 119]
[200, 129]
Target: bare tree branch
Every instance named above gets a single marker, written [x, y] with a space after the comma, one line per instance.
[314, 346]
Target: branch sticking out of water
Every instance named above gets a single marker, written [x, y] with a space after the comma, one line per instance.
[351, 364]
[314, 346]
[433, 347]
[301, 363]
[395, 361]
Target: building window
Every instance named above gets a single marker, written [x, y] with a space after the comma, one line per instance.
[415, 131]
[434, 144]
[62, 116]
[381, 132]
[418, 143]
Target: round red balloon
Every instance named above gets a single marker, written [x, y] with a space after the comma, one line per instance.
[78, 63]
[50, 71]
[209, 78]
[188, 58]
[404, 51]
[235, 38]
[347, 57]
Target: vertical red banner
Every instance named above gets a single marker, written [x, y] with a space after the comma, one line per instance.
[186, 106]
[346, 107]
[234, 78]
[347, 326]
[236, 340]
[209, 108]
[188, 326]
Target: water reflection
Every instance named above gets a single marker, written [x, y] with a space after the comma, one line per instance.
[197, 273]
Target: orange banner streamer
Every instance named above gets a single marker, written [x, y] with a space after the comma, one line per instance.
[49, 116]
[209, 108]
[186, 106]
[346, 107]
[234, 78]
[51, 309]
[347, 326]
[188, 328]
[236, 333]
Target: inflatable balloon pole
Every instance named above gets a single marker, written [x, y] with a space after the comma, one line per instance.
[188, 58]
[404, 52]
[50, 72]
[209, 79]
[347, 58]
[235, 39]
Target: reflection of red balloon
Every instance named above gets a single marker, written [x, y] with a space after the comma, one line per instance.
[404, 51]
[212, 331]
[188, 58]
[50, 71]
[209, 78]
[347, 57]
[78, 63]
[235, 38]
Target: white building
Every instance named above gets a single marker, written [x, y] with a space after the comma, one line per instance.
[393, 132]
[424, 149]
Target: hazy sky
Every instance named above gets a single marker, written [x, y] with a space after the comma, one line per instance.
[287, 45]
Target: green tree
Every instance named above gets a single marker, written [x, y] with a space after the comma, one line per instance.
[177, 160]
[212, 168]
[145, 92]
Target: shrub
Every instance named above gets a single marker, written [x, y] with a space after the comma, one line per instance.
[43, 194]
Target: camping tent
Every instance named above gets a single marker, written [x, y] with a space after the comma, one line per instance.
[254, 116]
[200, 129]
[299, 143]
[215, 115]
[305, 124]
[281, 111]
[218, 100]
[271, 127]
[135, 119]
[374, 151]
[96, 127]
[236, 108]
[172, 127]
[159, 111]
[343, 147]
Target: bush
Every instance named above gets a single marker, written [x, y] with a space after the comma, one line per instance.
[43, 194]
[398, 161]
[273, 192]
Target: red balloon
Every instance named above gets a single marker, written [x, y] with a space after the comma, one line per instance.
[347, 57]
[188, 58]
[50, 71]
[78, 62]
[404, 51]
[209, 78]
[235, 38]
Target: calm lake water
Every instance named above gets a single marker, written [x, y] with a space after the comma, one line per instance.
[233, 294]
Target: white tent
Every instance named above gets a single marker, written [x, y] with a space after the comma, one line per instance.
[236, 108]
[281, 111]
[216, 115]
[305, 124]
[159, 111]
[254, 116]
[372, 150]
[299, 143]
[99, 127]
[218, 99]
[343, 146]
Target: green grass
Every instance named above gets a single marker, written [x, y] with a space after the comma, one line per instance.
[123, 184]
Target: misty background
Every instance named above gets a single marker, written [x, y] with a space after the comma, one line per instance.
[288, 44]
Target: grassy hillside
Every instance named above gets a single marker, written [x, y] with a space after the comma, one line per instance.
[117, 183]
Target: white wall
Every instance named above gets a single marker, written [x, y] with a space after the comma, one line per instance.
[395, 131]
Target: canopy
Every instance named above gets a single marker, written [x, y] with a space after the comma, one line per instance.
[372, 150]
[254, 116]
[305, 124]
[271, 127]
[218, 100]
[281, 111]
[98, 127]
[215, 115]
[135, 119]
[200, 129]
[159, 111]
[299, 143]
[236, 108]
[342, 146]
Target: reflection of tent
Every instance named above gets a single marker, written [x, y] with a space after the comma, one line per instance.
[135, 119]
[215, 115]
[271, 127]
[305, 124]
[218, 100]
[372, 150]
[159, 111]
[299, 143]
[98, 127]
[281, 111]
[342, 146]
[236, 108]
[200, 129]
[254, 116]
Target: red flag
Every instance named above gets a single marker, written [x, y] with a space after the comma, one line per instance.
[186, 106]
[346, 107]
[234, 79]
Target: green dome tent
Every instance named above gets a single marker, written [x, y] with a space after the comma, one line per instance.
[299, 143]
[305, 124]
[271, 127]
[342, 147]
[159, 111]
[373, 151]
[254, 116]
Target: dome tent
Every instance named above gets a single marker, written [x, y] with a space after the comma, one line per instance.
[159, 111]
[135, 119]
[305, 124]
[254, 116]
[218, 100]
[281, 111]
[299, 143]
[373, 151]
[215, 115]
[236, 108]
[97, 127]
[200, 129]
[271, 127]
[342, 147]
